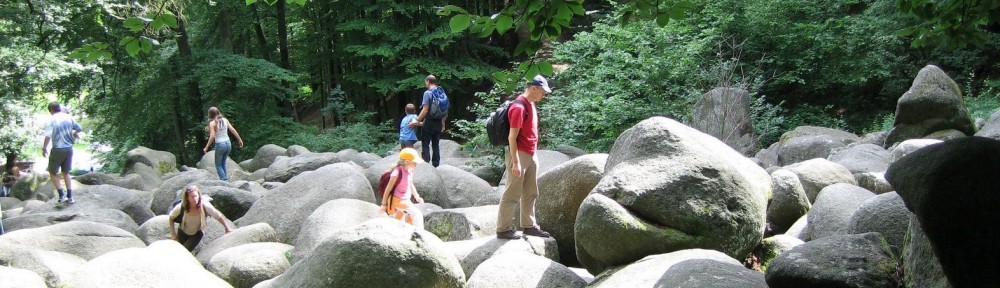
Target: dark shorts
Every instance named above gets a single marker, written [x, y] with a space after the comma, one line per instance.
[60, 158]
[407, 143]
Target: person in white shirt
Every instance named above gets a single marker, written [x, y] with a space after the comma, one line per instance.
[193, 212]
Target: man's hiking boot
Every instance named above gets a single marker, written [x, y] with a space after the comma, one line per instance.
[535, 231]
[509, 234]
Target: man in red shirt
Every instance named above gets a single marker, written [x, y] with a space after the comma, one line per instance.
[522, 165]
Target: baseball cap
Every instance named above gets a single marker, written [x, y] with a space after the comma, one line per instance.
[540, 81]
[410, 154]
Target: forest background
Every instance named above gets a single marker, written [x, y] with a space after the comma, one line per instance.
[332, 75]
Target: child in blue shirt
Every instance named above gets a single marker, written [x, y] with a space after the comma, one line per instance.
[407, 136]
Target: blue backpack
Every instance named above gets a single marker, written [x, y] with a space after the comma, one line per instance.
[439, 104]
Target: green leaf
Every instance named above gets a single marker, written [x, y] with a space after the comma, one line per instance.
[663, 20]
[134, 24]
[460, 22]
[676, 13]
[504, 23]
[125, 40]
[169, 19]
[104, 54]
[448, 9]
[156, 24]
[94, 56]
[298, 2]
[250, 2]
[577, 9]
[77, 54]
[133, 48]
[146, 45]
[545, 67]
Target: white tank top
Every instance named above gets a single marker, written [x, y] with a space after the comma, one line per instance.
[221, 131]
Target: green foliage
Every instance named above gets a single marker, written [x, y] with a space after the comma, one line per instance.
[16, 137]
[883, 123]
[768, 120]
[358, 134]
[982, 105]
[954, 23]
[473, 132]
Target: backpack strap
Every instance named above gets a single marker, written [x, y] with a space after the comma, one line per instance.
[527, 107]
[387, 199]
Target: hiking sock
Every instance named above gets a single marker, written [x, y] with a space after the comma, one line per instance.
[69, 195]
[61, 195]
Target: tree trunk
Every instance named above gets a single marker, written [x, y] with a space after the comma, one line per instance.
[261, 40]
[283, 54]
[193, 95]
[11, 161]
[225, 27]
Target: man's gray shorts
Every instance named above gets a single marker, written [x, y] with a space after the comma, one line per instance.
[60, 158]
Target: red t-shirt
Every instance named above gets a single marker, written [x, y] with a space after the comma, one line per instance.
[527, 138]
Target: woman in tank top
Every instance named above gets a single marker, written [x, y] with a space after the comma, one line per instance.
[218, 131]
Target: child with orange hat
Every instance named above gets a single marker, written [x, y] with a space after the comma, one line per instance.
[396, 202]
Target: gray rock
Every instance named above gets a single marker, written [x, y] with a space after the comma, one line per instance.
[522, 269]
[430, 185]
[472, 253]
[774, 246]
[710, 273]
[107, 197]
[648, 271]
[800, 228]
[256, 233]
[286, 207]
[668, 187]
[565, 188]
[84, 239]
[55, 268]
[158, 228]
[14, 277]
[831, 214]
[162, 162]
[952, 188]
[329, 218]
[382, 252]
[860, 260]
[570, 151]
[909, 146]
[296, 150]
[362, 159]
[919, 261]
[789, 202]
[945, 135]
[769, 157]
[449, 149]
[246, 265]
[265, 157]
[992, 127]
[207, 163]
[724, 113]
[815, 130]
[285, 168]
[463, 223]
[885, 214]
[798, 149]
[816, 174]
[112, 217]
[862, 158]
[873, 181]
[933, 103]
[232, 202]
[461, 187]
[161, 262]
[877, 138]
[150, 179]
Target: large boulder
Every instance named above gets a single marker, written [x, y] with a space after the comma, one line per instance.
[565, 187]
[256, 233]
[246, 265]
[919, 261]
[112, 217]
[154, 266]
[463, 223]
[449, 149]
[710, 273]
[207, 163]
[360, 158]
[808, 142]
[909, 146]
[382, 252]
[992, 127]
[329, 218]
[84, 239]
[668, 187]
[149, 178]
[286, 207]
[831, 214]
[462, 187]
[429, 183]
[648, 271]
[862, 158]
[885, 214]
[97, 178]
[521, 269]
[232, 202]
[570, 151]
[789, 202]
[933, 103]
[296, 150]
[162, 162]
[55, 267]
[14, 277]
[285, 168]
[265, 157]
[107, 197]
[818, 173]
[859, 260]
[952, 188]
[774, 246]
[724, 113]
[472, 253]
[164, 196]
[873, 181]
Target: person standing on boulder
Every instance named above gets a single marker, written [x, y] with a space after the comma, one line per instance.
[407, 135]
[522, 164]
[63, 131]
[193, 212]
[396, 202]
[433, 113]
[218, 133]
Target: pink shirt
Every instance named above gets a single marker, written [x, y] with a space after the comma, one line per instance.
[527, 138]
[402, 189]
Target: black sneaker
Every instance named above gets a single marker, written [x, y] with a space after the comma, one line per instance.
[509, 234]
[535, 231]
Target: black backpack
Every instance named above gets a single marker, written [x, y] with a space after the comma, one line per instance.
[498, 125]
